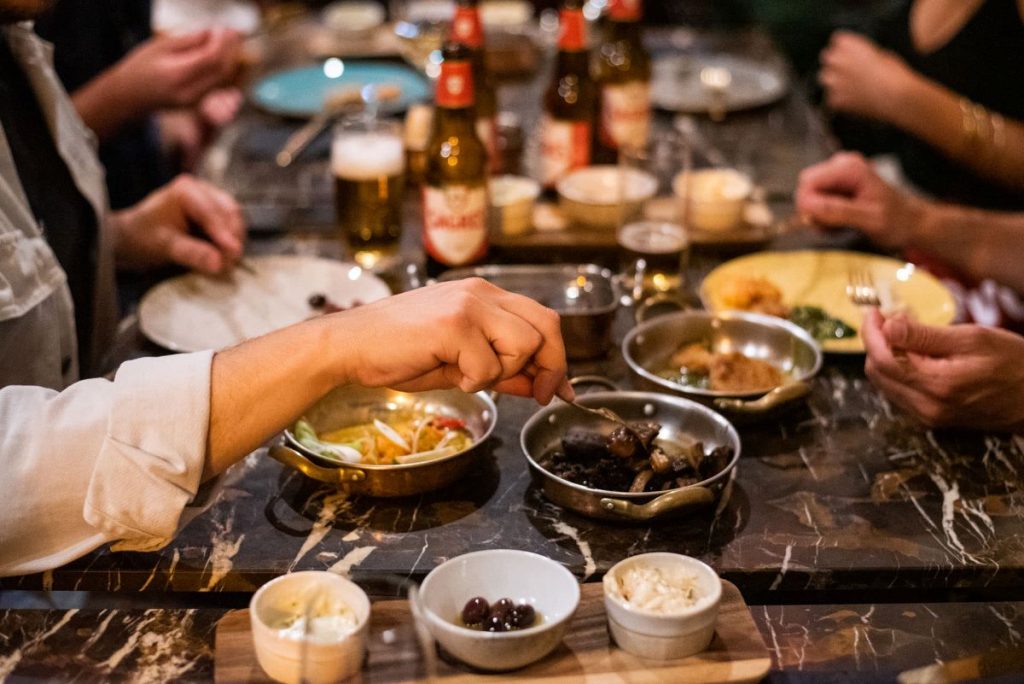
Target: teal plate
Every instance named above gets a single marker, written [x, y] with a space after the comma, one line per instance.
[300, 92]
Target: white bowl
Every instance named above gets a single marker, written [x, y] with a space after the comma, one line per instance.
[521, 576]
[603, 196]
[713, 199]
[329, 660]
[665, 636]
[512, 201]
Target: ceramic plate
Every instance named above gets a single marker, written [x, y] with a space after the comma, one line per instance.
[676, 83]
[300, 92]
[195, 312]
[820, 279]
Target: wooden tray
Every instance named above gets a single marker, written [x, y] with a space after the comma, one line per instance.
[737, 654]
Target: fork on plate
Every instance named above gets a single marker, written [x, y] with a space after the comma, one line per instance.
[860, 288]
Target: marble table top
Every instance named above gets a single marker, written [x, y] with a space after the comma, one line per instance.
[808, 643]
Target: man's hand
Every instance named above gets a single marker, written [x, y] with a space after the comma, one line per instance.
[844, 191]
[176, 71]
[963, 375]
[861, 78]
[155, 232]
[468, 334]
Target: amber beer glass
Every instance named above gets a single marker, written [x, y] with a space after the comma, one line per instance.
[455, 190]
[368, 164]
[569, 102]
[622, 68]
[468, 30]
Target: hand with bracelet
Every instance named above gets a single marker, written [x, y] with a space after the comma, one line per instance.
[861, 78]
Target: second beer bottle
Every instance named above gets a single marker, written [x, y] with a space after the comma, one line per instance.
[468, 30]
[569, 103]
[455, 186]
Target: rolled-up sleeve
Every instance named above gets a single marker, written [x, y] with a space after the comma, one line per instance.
[101, 461]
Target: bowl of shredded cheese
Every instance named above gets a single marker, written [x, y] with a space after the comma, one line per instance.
[662, 605]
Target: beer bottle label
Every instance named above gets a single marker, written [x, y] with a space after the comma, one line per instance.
[455, 223]
[565, 145]
[466, 28]
[625, 114]
[572, 31]
[624, 10]
[455, 86]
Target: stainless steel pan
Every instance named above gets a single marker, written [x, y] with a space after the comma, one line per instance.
[354, 405]
[680, 418]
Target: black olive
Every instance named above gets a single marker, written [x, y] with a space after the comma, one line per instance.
[522, 616]
[317, 301]
[502, 608]
[494, 624]
[475, 611]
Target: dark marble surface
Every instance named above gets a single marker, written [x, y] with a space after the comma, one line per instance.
[837, 643]
[843, 494]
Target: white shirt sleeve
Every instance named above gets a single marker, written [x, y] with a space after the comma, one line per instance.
[101, 461]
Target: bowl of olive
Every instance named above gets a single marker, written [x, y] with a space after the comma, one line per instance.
[499, 610]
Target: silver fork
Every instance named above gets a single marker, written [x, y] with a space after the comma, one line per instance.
[861, 289]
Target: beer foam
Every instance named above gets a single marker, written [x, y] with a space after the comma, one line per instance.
[652, 237]
[366, 156]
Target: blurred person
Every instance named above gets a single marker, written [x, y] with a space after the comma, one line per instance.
[962, 375]
[944, 83]
[153, 101]
[97, 461]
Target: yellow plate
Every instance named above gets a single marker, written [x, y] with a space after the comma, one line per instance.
[811, 278]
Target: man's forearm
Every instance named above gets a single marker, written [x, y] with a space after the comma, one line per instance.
[261, 386]
[984, 244]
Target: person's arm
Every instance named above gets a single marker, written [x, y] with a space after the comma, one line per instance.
[164, 72]
[845, 191]
[862, 79]
[119, 461]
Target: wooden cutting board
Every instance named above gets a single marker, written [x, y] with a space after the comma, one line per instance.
[737, 654]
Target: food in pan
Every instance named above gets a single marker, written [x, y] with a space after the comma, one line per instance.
[659, 590]
[633, 460]
[697, 365]
[504, 615]
[408, 435]
[761, 295]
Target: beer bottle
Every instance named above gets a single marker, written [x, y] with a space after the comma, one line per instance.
[468, 30]
[622, 69]
[569, 103]
[455, 188]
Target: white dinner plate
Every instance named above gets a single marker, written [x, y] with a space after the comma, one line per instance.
[195, 312]
[676, 83]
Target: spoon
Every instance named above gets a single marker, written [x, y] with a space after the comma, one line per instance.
[612, 417]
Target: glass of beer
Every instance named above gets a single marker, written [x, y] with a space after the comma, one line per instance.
[654, 258]
[368, 164]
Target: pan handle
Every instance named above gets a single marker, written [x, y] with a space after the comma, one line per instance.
[666, 503]
[649, 308]
[779, 396]
[336, 476]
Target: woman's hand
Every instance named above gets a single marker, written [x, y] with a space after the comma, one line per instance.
[845, 191]
[467, 334]
[156, 231]
[861, 78]
[962, 375]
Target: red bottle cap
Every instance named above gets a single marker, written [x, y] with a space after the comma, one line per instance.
[625, 10]
[466, 27]
[572, 37]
